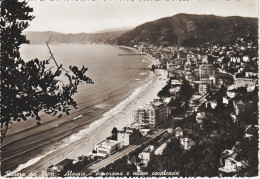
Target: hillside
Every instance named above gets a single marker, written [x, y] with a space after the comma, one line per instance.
[191, 30]
[42, 37]
[180, 29]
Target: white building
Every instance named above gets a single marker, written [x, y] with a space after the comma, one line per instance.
[174, 90]
[145, 156]
[107, 147]
[212, 80]
[175, 82]
[203, 89]
[187, 143]
[152, 115]
[246, 58]
[124, 137]
[199, 117]
[144, 115]
[145, 132]
[178, 132]
[231, 166]
[212, 103]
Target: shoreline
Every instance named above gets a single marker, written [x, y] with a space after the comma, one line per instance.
[152, 60]
[145, 94]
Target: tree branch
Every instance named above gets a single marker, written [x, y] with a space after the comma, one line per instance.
[47, 43]
[4, 133]
[52, 56]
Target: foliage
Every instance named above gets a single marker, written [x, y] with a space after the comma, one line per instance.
[186, 91]
[152, 68]
[30, 87]
[216, 133]
[227, 78]
[206, 28]
[120, 166]
[114, 133]
[165, 91]
[248, 151]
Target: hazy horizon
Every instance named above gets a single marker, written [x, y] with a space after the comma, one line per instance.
[84, 16]
[118, 28]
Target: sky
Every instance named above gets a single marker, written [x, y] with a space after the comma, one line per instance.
[77, 16]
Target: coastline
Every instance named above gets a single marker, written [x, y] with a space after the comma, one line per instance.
[152, 60]
[97, 133]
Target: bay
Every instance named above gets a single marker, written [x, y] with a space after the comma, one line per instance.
[115, 78]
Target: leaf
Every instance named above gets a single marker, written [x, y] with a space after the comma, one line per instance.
[28, 114]
[55, 112]
[24, 118]
[38, 118]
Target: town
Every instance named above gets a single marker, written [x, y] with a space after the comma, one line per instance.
[204, 122]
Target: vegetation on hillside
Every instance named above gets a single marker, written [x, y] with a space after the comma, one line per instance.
[187, 29]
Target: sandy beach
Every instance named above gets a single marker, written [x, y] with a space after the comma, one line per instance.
[99, 131]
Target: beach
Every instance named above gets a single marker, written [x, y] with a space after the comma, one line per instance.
[100, 132]
[82, 141]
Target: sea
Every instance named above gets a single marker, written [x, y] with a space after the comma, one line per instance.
[116, 78]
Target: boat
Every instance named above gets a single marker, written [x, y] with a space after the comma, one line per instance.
[78, 117]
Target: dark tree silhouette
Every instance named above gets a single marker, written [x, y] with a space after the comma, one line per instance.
[114, 133]
[30, 87]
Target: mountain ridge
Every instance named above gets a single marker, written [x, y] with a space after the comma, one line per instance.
[180, 29]
[37, 37]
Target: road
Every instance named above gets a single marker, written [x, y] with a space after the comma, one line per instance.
[121, 153]
[126, 150]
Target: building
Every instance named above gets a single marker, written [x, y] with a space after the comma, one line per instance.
[239, 106]
[167, 100]
[178, 132]
[161, 114]
[107, 147]
[199, 117]
[152, 115]
[60, 169]
[176, 82]
[127, 136]
[203, 88]
[145, 156]
[145, 132]
[206, 70]
[230, 165]
[251, 131]
[212, 80]
[187, 143]
[226, 99]
[213, 103]
[174, 90]
[145, 116]
[231, 94]
[124, 138]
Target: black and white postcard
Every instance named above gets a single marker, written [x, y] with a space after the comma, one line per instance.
[129, 88]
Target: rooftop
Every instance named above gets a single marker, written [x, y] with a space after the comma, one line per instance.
[146, 107]
[178, 129]
[107, 143]
[157, 103]
[65, 162]
[149, 149]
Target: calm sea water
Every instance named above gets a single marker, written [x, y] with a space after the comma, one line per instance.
[115, 77]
